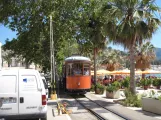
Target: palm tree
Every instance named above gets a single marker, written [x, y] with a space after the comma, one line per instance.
[99, 41]
[144, 56]
[94, 30]
[112, 59]
[132, 22]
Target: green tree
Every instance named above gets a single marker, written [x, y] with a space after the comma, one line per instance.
[134, 21]
[31, 20]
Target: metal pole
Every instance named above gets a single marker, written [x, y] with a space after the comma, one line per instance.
[51, 66]
[52, 54]
[95, 70]
[53, 58]
[0, 56]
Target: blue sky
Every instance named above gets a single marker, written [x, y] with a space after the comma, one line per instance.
[7, 33]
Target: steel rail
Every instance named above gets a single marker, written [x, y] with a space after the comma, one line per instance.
[91, 111]
[121, 116]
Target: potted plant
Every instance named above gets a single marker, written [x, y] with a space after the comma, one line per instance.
[112, 91]
[145, 83]
[151, 102]
[157, 82]
[99, 88]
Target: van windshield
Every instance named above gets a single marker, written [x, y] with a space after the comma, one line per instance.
[8, 84]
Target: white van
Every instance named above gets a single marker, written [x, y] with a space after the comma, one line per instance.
[22, 95]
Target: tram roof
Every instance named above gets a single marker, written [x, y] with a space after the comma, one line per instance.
[77, 58]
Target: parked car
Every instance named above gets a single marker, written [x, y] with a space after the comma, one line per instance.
[22, 95]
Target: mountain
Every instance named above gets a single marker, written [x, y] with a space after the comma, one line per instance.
[158, 53]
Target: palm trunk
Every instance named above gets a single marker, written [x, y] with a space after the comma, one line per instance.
[143, 75]
[132, 70]
[95, 77]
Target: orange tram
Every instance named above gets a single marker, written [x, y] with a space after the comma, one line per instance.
[76, 74]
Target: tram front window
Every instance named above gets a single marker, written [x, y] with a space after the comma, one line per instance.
[77, 68]
[74, 69]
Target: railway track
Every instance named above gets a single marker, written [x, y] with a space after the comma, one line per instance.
[123, 117]
[100, 112]
[91, 111]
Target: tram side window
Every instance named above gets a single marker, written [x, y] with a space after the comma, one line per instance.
[86, 69]
[68, 70]
[77, 69]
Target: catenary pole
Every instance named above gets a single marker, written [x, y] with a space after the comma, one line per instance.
[52, 54]
[51, 66]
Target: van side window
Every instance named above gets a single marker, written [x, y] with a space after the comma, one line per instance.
[28, 82]
[8, 84]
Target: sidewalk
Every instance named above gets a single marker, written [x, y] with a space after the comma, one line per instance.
[53, 113]
[62, 117]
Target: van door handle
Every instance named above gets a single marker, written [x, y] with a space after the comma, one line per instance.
[21, 100]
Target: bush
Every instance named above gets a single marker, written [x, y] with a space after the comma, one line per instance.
[100, 86]
[116, 84]
[126, 82]
[156, 82]
[145, 82]
[131, 100]
[92, 88]
[138, 84]
[150, 81]
[113, 87]
[159, 98]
